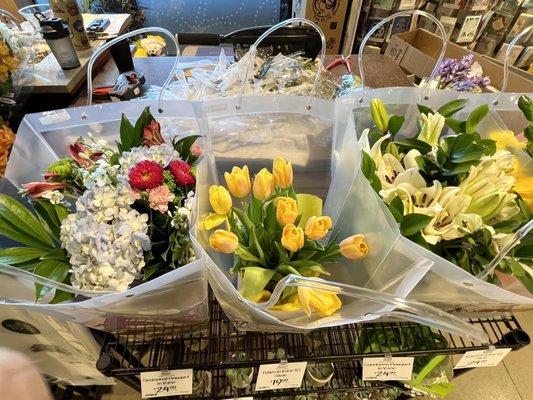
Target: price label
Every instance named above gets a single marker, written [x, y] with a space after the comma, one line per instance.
[388, 368]
[280, 376]
[53, 117]
[166, 383]
[481, 358]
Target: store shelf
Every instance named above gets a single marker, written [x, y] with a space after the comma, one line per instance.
[209, 348]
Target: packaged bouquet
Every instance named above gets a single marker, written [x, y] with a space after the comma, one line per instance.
[274, 232]
[105, 219]
[464, 75]
[460, 195]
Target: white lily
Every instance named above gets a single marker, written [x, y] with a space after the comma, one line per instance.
[409, 160]
[431, 128]
[391, 173]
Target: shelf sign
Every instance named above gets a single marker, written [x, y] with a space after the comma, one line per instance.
[166, 383]
[481, 358]
[280, 376]
[387, 368]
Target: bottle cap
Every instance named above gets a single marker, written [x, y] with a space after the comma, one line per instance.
[53, 28]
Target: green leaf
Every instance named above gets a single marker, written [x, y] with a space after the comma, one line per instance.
[128, 138]
[270, 221]
[489, 146]
[414, 223]
[424, 109]
[475, 117]
[412, 143]
[396, 209]
[17, 255]
[516, 268]
[150, 269]
[524, 252]
[246, 254]
[528, 133]
[508, 226]
[316, 268]
[256, 211]
[282, 253]
[183, 146]
[448, 109]
[257, 246]
[368, 166]
[247, 223]
[254, 281]
[395, 123]
[52, 269]
[456, 125]
[524, 208]
[52, 215]
[526, 106]
[145, 119]
[56, 254]
[285, 270]
[456, 169]
[61, 297]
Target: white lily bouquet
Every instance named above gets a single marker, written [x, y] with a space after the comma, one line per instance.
[461, 196]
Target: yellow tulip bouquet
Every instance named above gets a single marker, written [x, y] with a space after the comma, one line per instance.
[276, 232]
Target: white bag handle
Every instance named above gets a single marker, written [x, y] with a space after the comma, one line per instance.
[390, 18]
[506, 59]
[118, 39]
[10, 17]
[253, 50]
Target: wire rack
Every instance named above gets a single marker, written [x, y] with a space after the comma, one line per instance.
[210, 350]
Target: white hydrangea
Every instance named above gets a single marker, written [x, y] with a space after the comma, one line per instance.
[162, 154]
[105, 239]
[54, 196]
[103, 174]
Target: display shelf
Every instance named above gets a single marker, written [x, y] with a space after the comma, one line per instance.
[210, 347]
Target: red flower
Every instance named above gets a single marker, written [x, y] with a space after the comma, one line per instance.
[152, 134]
[146, 175]
[83, 155]
[181, 171]
[36, 189]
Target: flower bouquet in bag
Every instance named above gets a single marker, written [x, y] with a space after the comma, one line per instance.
[461, 195]
[105, 219]
[274, 232]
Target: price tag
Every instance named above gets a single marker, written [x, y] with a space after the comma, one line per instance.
[53, 117]
[280, 376]
[388, 368]
[166, 383]
[481, 358]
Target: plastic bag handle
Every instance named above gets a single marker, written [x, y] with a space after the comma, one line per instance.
[253, 50]
[390, 18]
[11, 17]
[118, 39]
[506, 59]
[519, 235]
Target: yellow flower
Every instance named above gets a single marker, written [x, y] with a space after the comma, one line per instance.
[354, 247]
[317, 227]
[213, 220]
[286, 210]
[292, 238]
[224, 241]
[379, 113]
[506, 140]
[263, 184]
[282, 171]
[324, 302]
[238, 181]
[262, 297]
[524, 181]
[220, 199]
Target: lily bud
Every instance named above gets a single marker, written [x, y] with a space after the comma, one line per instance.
[380, 116]
[431, 127]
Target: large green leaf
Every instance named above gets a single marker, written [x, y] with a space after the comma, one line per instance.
[17, 255]
[12, 232]
[128, 137]
[424, 109]
[412, 143]
[414, 223]
[145, 119]
[54, 270]
[254, 281]
[396, 209]
[245, 220]
[475, 117]
[524, 252]
[19, 216]
[61, 297]
[368, 166]
[456, 125]
[448, 109]
[526, 106]
[48, 213]
[183, 146]
[395, 123]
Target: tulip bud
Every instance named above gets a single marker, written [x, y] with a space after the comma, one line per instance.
[286, 210]
[224, 241]
[238, 181]
[220, 199]
[354, 247]
[282, 171]
[380, 116]
[263, 185]
[317, 227]
[292, 238]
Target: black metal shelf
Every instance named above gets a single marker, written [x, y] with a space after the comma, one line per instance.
[152, 347]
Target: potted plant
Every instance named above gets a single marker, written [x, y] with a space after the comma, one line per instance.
[240, 378]
[319, 374]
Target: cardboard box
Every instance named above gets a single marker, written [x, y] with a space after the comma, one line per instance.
[417, 51]
[329, 15]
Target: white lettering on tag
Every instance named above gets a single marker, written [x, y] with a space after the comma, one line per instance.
[166, 383]
[388, 368]
[481, 358]
[53, 117]
[280, 376]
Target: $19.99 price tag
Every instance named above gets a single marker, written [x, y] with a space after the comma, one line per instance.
[166, 383]
[280, 376]
[388, 368]
[481, 358]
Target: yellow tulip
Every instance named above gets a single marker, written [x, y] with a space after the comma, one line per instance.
[238, 181]
[524, 181]
[292, 303]
[324, 302]
[213, 220]
[286, 210]
[220, 199]
[292, 238]
[354, 247]
[317, 227]
[224, 241]
[506, 140]
[263, 184]
[282, 171]
[379, 113]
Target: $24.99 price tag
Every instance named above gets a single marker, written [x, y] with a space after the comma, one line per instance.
[481, 358]
[388, 368]
[280, 376]
[166, 383]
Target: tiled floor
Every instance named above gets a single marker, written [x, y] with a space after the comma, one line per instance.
[511, 380]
